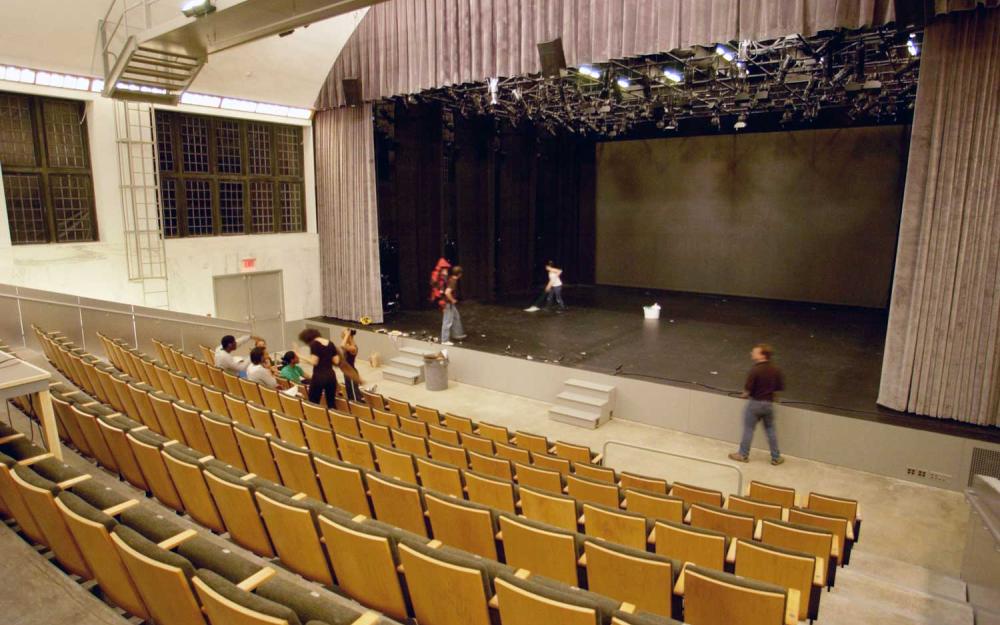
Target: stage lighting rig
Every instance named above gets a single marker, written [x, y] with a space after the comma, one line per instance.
[821, 77]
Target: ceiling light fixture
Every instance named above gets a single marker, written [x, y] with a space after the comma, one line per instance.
[198, 8]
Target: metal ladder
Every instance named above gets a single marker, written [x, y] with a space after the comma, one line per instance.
[135, 132]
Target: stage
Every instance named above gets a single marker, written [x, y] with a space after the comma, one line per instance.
[831, 355]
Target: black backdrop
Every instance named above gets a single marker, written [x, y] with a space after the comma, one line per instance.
[498, 200]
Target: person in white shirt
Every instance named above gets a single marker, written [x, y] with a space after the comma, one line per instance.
[224, 358]
[554, 288]
[259, 372]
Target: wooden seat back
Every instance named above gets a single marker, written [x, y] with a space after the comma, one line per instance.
[361, 411]
[291, 406]
[365, 567]
[839, 526]
[238, 508]
[193, 491]
[270, 398]
[708, 600]
[759, 509]
[295, 537]
[615, 526]
[295, 466]
[489, 491]
[256, 452]
[448, 454]
[345, 424]
[542, 479]
[54, 531]
[221, 609]
[440, 477]
[315, 414]
[532, 442]
[383, 417]
[128, 466]
[519, 606]
[197, 393]
[251, 391]
[497, 433]
[164, 589]
[512, 453]
[490, 465]
[689, 544]
[779, 495]
[730, 523]
[343, 486]
[397, 464]
[155, 471]
[216, 401]
[837, 506]
[552, 463]
[427, 578]
[262, 419]
[695, 494]
[595, 472]
[399, 407]
[414, 427]
[555, 510]
[397, 504]
[375, 433]
[576, 453]
[477, 444]
[813, 541]
[465, 425]
[237, 407]
[653, 505]
[189, 418]
[319, 439]
[428, 415]
[584, 490]
[416, 445]
[642, 580]
[289, 429]
[550, 553]
[779, 567]
[356, 451]
[463, 526]
[375, 400]
[164, 408]
[443, 434]
[232, 384]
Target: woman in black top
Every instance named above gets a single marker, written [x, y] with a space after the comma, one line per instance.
[324, 356]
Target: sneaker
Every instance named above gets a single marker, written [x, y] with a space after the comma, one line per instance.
[532, 309]
[447, 343]
[778, 460]
[738, 457]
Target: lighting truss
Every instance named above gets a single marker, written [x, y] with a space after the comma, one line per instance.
[867, 76]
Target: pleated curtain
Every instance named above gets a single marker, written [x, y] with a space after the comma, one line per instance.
[942, 352]
[347, 215]
[406, 46]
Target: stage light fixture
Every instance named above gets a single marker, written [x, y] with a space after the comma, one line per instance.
[198, 8]
[725, 52]
[493, 85]
[623, 82]
[741, 122]
[673, 75]
[590, 71]
[911, 45]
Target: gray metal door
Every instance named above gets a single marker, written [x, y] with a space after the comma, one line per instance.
[257, 298]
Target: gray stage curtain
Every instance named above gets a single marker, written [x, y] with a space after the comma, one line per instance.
[346, 213]
[405, 46]
[942, 353]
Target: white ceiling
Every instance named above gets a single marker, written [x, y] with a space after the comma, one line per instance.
[61, 36]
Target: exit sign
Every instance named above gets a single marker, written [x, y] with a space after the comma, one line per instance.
[248, 264]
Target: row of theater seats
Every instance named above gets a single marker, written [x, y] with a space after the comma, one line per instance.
[563, 515]
[528, 462]
[144, 563]
[735, 549]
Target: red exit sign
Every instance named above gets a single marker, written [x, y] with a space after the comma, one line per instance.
[248, 264]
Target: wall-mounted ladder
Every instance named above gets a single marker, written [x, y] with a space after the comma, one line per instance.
[135, 130]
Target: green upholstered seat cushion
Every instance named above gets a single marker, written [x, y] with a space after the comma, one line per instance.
[97, 494]
[564, 593]
[151, 550]
[55, 470]
[246, 599]
[149, 522]
[21, 448]
[36, 480]
[85, 510]
[205, 554]
[729, 578]
[309, 604]
[645, 618]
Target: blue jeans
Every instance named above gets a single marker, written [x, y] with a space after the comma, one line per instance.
[554, 292]
[759, 411]
[451, 324]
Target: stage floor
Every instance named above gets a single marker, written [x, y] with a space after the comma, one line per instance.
[831, 355]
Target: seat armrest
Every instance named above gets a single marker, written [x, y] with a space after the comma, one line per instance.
[792, 607]
[679, 586]
[819, 573]
[731, 553]
[758, 531]
[256, 579]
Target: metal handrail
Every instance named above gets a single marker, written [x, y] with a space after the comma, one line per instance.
[739, 474]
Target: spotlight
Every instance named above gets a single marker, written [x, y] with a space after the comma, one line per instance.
[741, 122]
[911, 46]
[673, 75]
[198, 8]
[590, 71]
[493, 84]
[725, 52]
[622, 82]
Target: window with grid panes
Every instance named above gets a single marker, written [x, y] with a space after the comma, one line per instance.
[46, 170]
[221, 176]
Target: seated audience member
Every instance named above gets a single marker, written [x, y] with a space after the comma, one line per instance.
[224, 358]
[258, 372]
[261, 343]
[291, 370]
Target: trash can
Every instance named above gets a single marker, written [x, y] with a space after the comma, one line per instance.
[436, 373]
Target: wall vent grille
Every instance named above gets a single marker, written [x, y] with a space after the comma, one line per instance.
[984, 462]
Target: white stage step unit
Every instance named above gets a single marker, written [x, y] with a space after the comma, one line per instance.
[583, 404]
[408, 367]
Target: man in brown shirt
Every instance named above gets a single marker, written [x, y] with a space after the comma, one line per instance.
[763, 383]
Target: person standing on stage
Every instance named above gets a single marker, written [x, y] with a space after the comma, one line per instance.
[451, 321]
[553, 289]
[760, 391]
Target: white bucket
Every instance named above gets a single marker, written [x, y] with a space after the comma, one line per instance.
[651, 312]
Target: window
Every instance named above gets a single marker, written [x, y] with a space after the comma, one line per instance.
[221, 176]
[46, 170]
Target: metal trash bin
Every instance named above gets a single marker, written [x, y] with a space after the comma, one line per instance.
[436, 373]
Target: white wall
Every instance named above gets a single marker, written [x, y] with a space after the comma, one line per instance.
[99, 269]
